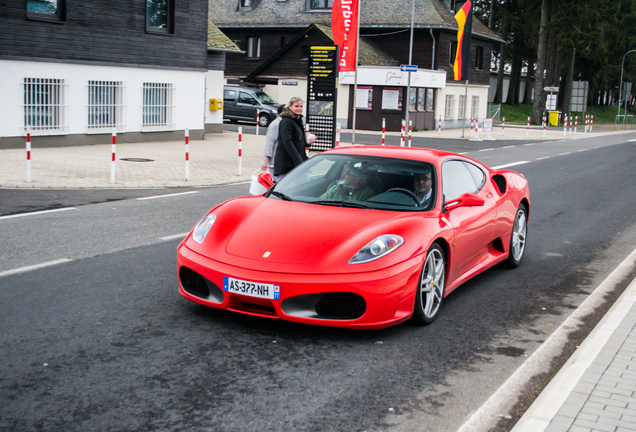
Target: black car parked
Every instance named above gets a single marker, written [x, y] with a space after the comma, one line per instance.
[241, 103]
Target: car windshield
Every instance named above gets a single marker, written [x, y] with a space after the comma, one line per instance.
[360, 181]
[266, 99]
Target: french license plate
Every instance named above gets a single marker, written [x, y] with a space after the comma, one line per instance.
[252, 289]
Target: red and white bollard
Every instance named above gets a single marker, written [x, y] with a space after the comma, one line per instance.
[439, 127]
[258, 120]
[383, 130]
[28, 156]
[543, 122]
[187, 153]
[337, 135]
[570, 118]
[591, 122]
[402, 131]
[565, 124]
[576, 122]
[410, 131]
[472, 128]
[503, 126]
[112, 163]
[587, 122]
[240, 149]
[528, 128]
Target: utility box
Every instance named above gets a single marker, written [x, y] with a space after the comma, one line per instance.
[216, 104]
[554, 118]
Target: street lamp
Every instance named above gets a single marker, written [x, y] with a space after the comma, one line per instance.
[620, 89]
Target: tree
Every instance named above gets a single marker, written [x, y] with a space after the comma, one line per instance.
[539, 103]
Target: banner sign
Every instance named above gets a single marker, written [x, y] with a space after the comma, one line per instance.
[344, 26]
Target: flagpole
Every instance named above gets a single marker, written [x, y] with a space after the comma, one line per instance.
[465, 103]
[355, 81]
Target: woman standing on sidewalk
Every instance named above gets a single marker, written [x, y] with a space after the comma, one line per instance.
[292, 144]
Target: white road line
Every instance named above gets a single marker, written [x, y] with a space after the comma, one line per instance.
[543, 158]
[509, 147]
[581, 150]
[37, 213]
[33, 267]
[530, 144]
[174, 236]
[564, 154]
[634, 140]
[498, 402]
[165, 196]
[485, 150]
[509, 165]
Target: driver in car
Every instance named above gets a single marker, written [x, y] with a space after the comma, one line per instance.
[422, 183]
[352, 186]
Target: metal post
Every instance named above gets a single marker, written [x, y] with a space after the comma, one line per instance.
[408, 86]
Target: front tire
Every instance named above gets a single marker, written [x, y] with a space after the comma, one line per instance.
[430, 291]
[518, 237]
[263, 120]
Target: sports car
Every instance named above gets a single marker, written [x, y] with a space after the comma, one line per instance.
[360, 237]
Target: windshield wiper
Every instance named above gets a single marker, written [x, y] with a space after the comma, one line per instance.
[341, 203]
[280, 195]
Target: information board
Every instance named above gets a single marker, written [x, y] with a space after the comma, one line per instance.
[322, 80]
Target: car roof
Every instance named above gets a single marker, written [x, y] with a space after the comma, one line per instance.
[436, 157]
[412, 153]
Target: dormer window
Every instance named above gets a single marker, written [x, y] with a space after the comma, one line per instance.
[47, 10]
[321, 5]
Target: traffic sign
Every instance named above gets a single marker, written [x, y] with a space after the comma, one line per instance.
[408, 68]
[551, 89]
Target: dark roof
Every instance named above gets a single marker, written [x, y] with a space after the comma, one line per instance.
[368, 53]
[373, 14]
[217, 40]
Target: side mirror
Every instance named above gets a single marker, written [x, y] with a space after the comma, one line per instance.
[464, 200]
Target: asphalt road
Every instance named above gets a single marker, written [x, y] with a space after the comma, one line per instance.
[102, 340]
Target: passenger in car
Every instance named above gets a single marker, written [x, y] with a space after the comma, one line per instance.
[352, 186]
[422, 183]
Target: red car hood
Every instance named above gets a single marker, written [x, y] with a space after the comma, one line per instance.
[281, 236]
[297, 233]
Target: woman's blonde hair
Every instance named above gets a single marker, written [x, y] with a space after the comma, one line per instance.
[294, 100]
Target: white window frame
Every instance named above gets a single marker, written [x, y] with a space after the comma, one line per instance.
[461, 107]
[474, 108]
[449, 107]
[105, 107]
[44, 105]
[157, 107]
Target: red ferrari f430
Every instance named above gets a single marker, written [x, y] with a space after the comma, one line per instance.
[360, 237]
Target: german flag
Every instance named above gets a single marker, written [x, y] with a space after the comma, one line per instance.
[462, 58]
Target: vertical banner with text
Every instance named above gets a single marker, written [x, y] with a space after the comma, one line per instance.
[322, 82]
[344, 26]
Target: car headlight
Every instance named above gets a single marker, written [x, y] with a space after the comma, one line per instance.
[377, 248]
[203, 228]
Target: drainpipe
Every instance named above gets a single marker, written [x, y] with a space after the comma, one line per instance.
[433, 57]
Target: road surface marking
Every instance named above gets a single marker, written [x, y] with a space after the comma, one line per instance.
[33, 267]
[165, 196]
[509, 165]
[174, 236]
[37, 213]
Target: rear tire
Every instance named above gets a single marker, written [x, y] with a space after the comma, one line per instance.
[518, 237]
[430, 291]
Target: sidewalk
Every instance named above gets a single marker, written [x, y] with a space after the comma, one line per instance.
[212, 161]
[594, 391]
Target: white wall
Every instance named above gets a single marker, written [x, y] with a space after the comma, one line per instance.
[214, 81]
[189, 86]
[457, 90]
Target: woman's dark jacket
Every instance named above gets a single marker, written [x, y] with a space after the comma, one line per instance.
[290, 151]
